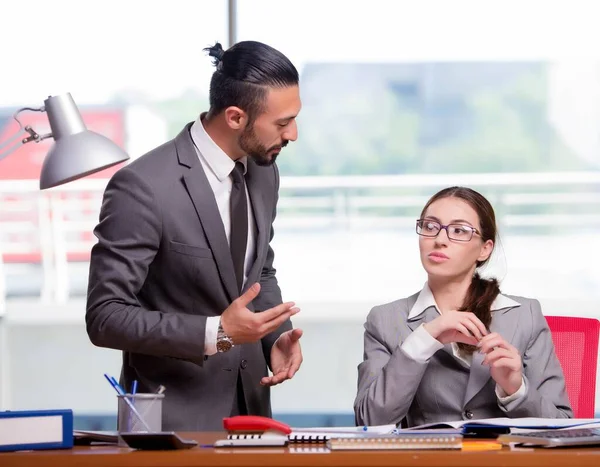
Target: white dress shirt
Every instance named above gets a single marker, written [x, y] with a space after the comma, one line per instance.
[421, 346]
[218, 167]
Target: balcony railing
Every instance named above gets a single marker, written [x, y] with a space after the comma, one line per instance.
[53, 228]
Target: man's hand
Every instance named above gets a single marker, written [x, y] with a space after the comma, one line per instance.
[244, 326]
[286, 358]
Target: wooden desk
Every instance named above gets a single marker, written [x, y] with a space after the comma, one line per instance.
[300, 456]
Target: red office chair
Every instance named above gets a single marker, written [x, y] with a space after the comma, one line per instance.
[576, 344]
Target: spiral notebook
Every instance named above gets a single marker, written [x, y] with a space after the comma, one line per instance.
[274, 439]
[324, 434]
[398, 439]
[407, 441]
[270, 439]
[316, 438]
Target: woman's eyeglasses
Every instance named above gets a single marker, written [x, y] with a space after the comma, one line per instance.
[457, 232]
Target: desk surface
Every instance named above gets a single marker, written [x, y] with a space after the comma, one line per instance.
[299, 456]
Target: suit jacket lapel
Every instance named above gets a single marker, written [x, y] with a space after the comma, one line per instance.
[478, 377]
[204, 202]
[428, 315]
[261, 217]
[480, 374]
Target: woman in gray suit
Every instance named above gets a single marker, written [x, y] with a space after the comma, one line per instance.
[458, 349]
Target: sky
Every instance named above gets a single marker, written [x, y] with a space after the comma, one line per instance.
[96, 49]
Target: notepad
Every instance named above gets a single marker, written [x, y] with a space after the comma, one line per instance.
[395, 442]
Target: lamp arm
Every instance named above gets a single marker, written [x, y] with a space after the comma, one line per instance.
[33, 135]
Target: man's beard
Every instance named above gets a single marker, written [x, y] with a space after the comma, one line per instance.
[254, 149]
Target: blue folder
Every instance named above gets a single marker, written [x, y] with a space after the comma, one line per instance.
[24, 422]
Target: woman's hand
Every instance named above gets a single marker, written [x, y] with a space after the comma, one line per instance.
[504, 360]
[456, 326]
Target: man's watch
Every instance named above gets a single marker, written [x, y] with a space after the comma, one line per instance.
[224, 342]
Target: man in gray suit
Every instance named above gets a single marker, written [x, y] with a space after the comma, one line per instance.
[183, 263]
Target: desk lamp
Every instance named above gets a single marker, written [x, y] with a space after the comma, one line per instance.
[77, 151]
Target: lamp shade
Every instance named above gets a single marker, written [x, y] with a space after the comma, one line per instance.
[77, 152]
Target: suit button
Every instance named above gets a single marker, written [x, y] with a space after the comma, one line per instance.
[244, 364]
[469, 414]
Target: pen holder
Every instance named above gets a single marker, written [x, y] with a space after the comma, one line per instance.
[139, 413]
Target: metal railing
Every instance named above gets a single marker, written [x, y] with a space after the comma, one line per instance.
[54, 227]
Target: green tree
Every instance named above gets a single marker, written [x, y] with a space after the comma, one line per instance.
[510, 132]
[182, 110]
[369, 132]
[346, 128]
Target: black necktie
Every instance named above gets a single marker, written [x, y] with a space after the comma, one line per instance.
[239, 223]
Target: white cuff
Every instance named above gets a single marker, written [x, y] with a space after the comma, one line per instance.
[504, 399]
[210, 335]
[420, 345]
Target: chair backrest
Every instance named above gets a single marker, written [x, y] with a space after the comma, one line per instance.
[576, 344]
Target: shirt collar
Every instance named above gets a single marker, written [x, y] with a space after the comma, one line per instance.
[217, 160]
[426, 300]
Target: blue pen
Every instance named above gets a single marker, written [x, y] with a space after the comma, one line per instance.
[118, 387]
[365, 428]
[113, 383]
[133, 392]
[120, 391]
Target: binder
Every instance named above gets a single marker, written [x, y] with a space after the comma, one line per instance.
[36, 429]
[410, 441]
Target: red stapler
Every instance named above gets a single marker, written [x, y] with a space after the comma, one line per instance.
[255, 424]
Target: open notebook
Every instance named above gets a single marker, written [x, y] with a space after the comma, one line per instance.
[529, 423]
